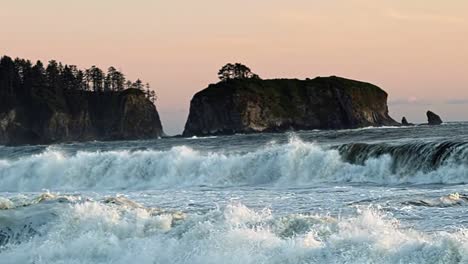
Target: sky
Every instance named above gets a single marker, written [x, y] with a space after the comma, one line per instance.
[416, 50]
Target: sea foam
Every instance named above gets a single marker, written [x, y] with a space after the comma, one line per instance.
[97, 232]
[296, 163]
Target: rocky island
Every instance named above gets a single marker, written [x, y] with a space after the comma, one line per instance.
[42, 105]
[404, 122]
[249, 105]
[433, 119]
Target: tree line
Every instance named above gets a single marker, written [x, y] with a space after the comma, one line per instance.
[20, 76]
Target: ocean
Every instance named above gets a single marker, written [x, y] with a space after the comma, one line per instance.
[370, 195]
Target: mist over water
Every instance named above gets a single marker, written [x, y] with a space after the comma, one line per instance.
[373, 195]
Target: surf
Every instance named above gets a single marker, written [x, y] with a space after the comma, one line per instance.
[295, 163]
[118, 230]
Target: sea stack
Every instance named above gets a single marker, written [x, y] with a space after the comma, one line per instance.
[433, 119]
[405, 122]
[255, 105]
[61, 103]
[80, 116]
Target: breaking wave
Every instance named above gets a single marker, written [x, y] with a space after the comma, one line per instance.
[79, 230]
[291, 164]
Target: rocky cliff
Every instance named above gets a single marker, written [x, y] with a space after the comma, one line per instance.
[78, 116]
[251, 105]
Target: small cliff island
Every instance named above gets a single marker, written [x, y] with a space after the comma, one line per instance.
[248, 104]
[60, 103]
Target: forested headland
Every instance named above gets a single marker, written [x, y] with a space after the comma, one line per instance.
[59, 102]
[22, 77]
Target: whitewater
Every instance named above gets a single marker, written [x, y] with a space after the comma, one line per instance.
[371, 195]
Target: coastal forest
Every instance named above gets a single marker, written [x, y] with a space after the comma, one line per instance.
[44, 104]
[19, 78]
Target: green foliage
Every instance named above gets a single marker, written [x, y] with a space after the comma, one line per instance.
[236, 71]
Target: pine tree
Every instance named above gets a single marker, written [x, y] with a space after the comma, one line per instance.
[236, 71]
[97, 78]
[138, 84]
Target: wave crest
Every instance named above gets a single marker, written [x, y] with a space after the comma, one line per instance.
[292, 164]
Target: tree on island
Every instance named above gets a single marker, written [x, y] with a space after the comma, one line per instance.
[138, 84]
[21, 77]
[232, 71]
[150, 94]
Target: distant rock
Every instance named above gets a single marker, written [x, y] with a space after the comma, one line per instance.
[433, 119]
[405, 122]
[254, 105]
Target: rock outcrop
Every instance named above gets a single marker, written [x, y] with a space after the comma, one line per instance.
[433, 119]
[79, 116]
[251, 105]
[405, 122]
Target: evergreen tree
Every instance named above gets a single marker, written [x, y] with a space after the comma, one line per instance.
[107, 84]
[128, 84]
[87, 79]
[52, 74]
[116, 79]
[9, 77]
[68, 79]
[110, 78]
[226, 72]
[150, 94]
[38, 75]
[138, 84]
[80, 80]
[236, 71]
[97, 78]
[24, 70]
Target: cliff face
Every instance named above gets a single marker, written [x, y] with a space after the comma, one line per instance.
[247, 106]
[79, 116]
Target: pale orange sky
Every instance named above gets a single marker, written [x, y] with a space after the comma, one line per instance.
[416, 50]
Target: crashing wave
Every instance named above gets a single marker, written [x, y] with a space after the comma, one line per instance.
[295, 163]
[410, 157]
[25, 218]
[93, 232]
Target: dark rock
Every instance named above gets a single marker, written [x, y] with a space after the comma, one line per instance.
[433, 119]
[248, 106]
[405, 122]
[79, 116]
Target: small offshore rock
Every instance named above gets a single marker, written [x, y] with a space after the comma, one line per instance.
[433, 119]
